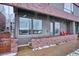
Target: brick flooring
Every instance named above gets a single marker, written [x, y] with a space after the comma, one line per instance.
[58, 50]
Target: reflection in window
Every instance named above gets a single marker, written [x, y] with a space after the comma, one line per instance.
[57, 28]
[51, 28]
[30, 26]
[68, 7]
[25, 25]
[77, 27]
[37, 26]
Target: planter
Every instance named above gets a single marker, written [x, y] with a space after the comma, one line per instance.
[5, 42]
[47, 41]
[5, 46]
[5, 35]
[14, 46]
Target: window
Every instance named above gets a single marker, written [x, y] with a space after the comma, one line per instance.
[37, 26]
[57, 28]
[51, 28]
[30, 26]
[77, 27]
[68, 7]
[25, 25]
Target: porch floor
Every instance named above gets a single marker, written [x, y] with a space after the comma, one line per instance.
[58, 50]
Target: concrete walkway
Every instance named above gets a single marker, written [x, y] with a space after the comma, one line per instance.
[58, 50]
[75, 53]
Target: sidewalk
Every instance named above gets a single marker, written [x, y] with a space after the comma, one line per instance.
[75, 53]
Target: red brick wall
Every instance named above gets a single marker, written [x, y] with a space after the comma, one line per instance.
[47, 41]
[46, 9]
[7, 44]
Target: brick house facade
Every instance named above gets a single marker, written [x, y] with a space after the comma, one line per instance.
[52, 20]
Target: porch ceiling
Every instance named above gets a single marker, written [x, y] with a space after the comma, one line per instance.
[45, 9]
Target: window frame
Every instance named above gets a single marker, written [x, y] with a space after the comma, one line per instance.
[26, 29]
[31, 31]
[37, 29]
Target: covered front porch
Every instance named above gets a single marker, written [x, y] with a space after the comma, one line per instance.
[30, 24]
[38, 33]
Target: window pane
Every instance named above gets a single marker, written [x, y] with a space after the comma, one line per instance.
[37, 26]
[25, 25]
[72, 7]
[57, 28]
[77, 27]
[68, 7]
[51, 28]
